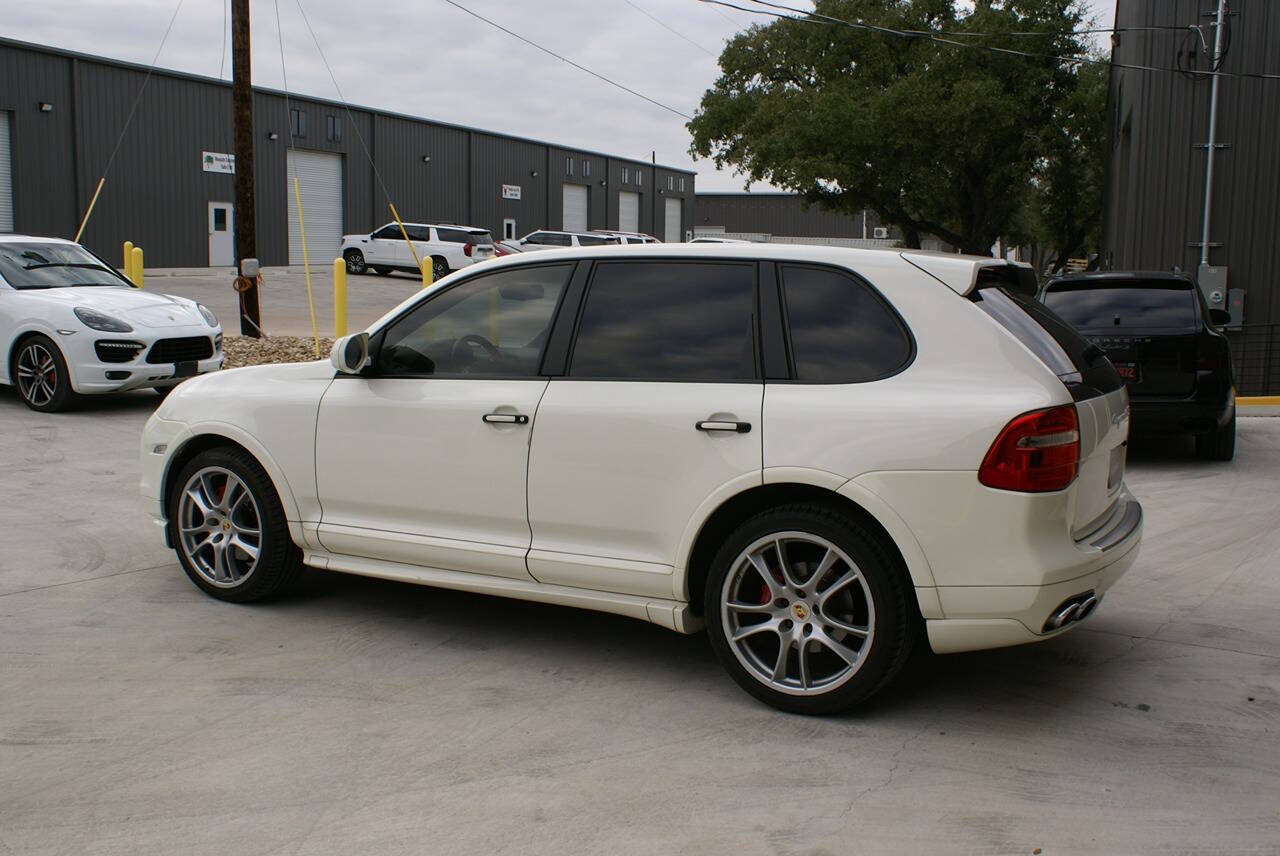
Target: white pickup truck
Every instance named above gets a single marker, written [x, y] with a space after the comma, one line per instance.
[384, 249]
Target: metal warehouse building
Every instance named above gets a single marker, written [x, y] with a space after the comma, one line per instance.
[1155, 186]
[171, 186]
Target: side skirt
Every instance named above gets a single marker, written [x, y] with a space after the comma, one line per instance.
[667, 613]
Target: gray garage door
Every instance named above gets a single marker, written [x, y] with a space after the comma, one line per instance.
[6, 176]
[672, 232]
[628, 211]
[575, 208]
[320, 180]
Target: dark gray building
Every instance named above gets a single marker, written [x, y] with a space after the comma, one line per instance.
[781, 215]
[1158, 132]
[170, 187]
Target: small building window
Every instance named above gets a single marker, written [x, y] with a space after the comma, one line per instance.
[297, 123]
[682, 184]
[671, 182]
[568, 166]
[626, 174]
[586, 169]
[639, 176]
[333, 129]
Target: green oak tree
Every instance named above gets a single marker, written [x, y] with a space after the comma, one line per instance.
[945, 138]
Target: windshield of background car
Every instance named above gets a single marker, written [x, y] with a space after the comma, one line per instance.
[1147, 304]
[34, 264]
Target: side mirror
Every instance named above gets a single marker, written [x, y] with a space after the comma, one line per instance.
[1220, 317]
[350, 353]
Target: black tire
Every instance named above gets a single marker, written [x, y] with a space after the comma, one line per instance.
[163, 391]
[893, 624]
[39, 372]
[355, 261]
[1219, 444]
[382, 271]
[439, 268]
[279, 560]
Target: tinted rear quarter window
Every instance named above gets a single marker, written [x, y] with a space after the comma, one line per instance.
[1145, 304]
[668, 321]
[841, 331]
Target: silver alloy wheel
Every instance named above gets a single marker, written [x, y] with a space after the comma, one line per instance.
[797, 613]
[356, 262]
[439, 268]
[219, 526]
[37, 375]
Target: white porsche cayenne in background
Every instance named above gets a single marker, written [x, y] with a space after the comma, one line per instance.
[71, 325]
[816, 453]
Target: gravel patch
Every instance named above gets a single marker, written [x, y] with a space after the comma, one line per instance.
[245, 351]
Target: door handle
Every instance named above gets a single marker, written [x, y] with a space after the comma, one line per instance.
[505, 418]
[712, 425]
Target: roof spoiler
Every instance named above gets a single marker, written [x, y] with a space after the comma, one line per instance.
[966, 274]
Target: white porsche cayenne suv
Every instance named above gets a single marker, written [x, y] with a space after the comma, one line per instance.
[71, 325]
[820, 455]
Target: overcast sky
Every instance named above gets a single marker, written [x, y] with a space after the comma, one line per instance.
[435, 61]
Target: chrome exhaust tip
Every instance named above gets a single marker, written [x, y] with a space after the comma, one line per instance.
[1072, 609]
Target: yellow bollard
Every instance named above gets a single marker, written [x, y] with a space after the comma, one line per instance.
[128, 260]
[139, 277]
[428, 273]
[339, 298]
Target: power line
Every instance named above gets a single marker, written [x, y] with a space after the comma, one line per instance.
[672, 30]
[818, 18]
[568, 61]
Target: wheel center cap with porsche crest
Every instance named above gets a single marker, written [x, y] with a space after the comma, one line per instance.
[800, 611]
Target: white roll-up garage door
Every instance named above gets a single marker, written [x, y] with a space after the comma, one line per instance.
[320, 182]
[575, 208]
[672, 232]
[628, 211]
[6, 176]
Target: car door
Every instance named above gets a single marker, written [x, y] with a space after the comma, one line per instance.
[384, 247]
[657, 416]
[423, 458]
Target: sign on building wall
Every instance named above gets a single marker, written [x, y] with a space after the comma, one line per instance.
[219, 162]
[510, 191]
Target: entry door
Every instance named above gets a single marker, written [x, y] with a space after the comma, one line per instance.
[222, 249]
[628, 211]
[659, 413]
[672, 209]
[425, 461]
[575, 208]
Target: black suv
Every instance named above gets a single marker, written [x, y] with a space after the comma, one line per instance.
[1164, 342]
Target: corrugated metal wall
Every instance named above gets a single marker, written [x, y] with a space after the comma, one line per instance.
[157, 192]
[1155, 173]
[783, 214]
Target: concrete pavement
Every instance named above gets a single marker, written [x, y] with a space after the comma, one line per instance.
[139, 716]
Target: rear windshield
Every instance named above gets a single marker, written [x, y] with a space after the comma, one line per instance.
[596, 240]
[1146, 304]
[1083, 367]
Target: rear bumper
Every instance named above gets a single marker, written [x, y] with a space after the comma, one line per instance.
[1000, 616]
[1194, 415]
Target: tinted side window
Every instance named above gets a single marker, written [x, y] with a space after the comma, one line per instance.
[388, 233]
[841, 331]
[550, 239]
[417, 233]
[489, 326]
[668, 321]
[454, 236]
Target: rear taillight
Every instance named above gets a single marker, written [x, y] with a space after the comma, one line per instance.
[467, 250]
[1035, 453]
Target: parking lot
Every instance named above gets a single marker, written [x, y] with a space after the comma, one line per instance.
[139, 716]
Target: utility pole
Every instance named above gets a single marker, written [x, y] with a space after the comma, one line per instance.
[1213, 135]
[246, 223]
